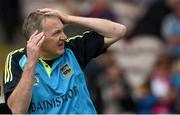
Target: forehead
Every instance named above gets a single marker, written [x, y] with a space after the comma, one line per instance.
[51, 23]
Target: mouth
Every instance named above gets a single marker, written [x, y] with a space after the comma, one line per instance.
[61, 45]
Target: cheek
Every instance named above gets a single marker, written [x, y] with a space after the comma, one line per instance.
[49, 44]
[46, 44]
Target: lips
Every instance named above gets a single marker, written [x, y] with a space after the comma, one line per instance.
[61, 45]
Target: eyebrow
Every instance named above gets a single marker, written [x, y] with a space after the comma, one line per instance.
[56, 31]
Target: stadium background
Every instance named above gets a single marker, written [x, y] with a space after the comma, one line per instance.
[138, 74]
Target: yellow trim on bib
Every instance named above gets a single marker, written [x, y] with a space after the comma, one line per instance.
[46, 66]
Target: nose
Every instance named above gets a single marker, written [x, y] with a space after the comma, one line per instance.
[63, 36]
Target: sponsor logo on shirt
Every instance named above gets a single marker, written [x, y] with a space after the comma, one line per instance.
[54, 102]
[66, 70]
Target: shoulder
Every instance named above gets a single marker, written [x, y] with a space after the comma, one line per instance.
[12, 67]
[79, 36]
[17, 52]
[15, 55]
[86, 38]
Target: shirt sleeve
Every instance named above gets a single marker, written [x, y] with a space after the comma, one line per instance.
[86, 47]
[12, 73]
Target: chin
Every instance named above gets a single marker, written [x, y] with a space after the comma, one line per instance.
[61, 52]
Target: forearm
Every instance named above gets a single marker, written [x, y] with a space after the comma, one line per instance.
[104, 27]
[111, 31]
[20, 98]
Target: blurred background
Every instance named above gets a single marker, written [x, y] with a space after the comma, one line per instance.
[138, 74]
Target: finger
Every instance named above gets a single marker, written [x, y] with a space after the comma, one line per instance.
[37, 38]
[38, 10]
[44, 10]
[33, 35]
[52, 13]
[55, 14]
[41, 41]
[49, 13]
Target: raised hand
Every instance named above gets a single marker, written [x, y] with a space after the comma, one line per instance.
[34, 46]
[63, 17]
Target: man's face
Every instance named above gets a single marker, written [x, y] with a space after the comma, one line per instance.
[53, 45]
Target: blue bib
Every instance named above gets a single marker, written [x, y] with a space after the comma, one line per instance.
[60, 89]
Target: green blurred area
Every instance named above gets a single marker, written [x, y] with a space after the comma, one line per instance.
[6, 48]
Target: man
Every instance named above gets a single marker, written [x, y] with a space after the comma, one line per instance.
[47, 76]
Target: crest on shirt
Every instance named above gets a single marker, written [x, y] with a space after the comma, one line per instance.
[66, 70]
[36, 80]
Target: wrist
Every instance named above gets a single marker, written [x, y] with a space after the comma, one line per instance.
[31, 63]
[71, 19]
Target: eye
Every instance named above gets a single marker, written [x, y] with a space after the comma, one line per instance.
[56, 33]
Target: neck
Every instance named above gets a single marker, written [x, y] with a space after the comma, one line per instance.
[48, 56]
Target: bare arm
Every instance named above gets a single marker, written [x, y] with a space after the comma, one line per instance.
[112, 31]
[20, 98]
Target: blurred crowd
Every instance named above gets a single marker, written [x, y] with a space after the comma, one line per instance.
[138, 74]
